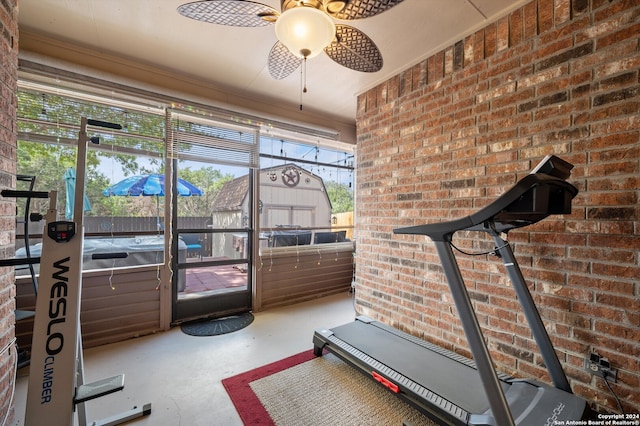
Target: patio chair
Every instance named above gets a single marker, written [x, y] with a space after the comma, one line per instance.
[194, 244]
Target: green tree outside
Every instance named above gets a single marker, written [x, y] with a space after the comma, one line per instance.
[341, 197]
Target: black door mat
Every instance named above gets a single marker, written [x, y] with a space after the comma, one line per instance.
[215, 327]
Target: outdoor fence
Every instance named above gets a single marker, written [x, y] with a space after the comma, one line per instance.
[102, 224]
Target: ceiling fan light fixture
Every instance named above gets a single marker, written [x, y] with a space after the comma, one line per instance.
[305, 31]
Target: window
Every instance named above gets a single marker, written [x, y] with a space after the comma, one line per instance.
[306, 192]
[306, 182]
[48, 125]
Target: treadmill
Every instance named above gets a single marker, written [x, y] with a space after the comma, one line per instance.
[450, 388]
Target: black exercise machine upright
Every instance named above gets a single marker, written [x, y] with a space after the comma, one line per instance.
[450, 388]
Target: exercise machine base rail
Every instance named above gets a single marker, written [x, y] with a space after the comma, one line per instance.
[124, 417]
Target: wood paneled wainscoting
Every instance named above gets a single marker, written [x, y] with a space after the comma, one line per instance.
[113, 307]
[124, 303]
[294, 274]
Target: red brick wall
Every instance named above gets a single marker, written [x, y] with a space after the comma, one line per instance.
[448, 135]
[8, 89]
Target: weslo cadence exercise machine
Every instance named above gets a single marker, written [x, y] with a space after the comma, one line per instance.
[56, 386]
[446, 386]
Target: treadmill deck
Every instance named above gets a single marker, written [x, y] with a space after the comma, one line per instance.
[435, 374]
[442, 384]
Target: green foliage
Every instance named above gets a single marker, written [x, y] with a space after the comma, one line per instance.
[48, 163]
[59, 116]
[54, 118]
[341, 197]
[210, 181]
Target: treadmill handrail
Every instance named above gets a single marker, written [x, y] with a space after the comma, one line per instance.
[498, 212]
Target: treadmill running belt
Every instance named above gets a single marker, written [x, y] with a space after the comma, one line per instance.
[440, 374]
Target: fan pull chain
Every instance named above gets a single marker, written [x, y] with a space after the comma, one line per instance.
[305, 75]
[303, 80]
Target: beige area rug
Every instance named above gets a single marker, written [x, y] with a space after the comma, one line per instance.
[305, 390]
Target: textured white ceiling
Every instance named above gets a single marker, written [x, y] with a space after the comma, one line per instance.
[235, 59]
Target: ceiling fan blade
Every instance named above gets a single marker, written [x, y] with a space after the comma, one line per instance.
[353, 49]
[359, 9]
[282, 62]
[236, 13]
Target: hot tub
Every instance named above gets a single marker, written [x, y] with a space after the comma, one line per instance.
[142, 250]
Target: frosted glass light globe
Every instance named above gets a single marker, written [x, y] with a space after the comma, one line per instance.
[305, 31]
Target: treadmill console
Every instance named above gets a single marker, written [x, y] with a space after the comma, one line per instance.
[541, 193]
[553, 166]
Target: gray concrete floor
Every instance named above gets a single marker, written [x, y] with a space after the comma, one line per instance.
[180, 375]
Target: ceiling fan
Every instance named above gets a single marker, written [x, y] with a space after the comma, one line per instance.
[304, 29]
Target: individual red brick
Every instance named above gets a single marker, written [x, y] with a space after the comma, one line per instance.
[516, 27]
[490, 40]
[545, 15]
[562, 12]
[502, 34]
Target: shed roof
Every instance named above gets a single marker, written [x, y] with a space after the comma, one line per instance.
[231, 195]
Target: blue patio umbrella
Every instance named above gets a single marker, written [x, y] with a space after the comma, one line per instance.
[70, 184]
[150, 185]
